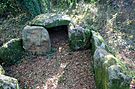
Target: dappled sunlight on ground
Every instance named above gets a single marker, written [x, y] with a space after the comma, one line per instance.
[52, 83]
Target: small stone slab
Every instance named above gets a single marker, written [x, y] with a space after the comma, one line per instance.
[36, 39]
[8, 82]
[50, 20]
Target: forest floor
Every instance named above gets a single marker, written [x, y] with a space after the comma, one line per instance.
[60, 69]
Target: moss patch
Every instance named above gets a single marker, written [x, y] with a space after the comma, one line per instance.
[12, 51]
[79, 39]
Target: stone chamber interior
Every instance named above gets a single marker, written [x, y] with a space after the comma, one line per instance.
[58, 35]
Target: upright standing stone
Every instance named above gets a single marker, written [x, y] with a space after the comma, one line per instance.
[79, 38]
[36, 39]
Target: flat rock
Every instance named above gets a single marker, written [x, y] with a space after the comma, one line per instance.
[50, 20]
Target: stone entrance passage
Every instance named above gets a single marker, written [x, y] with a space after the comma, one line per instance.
[58, 35]
[35, 36]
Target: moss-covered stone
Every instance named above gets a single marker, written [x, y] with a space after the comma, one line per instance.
[11, 51]
[98, 41]
[50, 20]
[2, 71]
[117, 79]
[8, 82]
[102, 60]
[79, 38]
[108, 74]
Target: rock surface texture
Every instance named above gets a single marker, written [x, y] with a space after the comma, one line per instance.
[36, 39]
[50, 20]
[110, 72]
[79, 38]
[8, 82]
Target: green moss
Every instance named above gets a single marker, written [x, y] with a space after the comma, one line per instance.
[116, 84]
[101, 78]
[98, 41]
[81, 41]
[109, 72]
[76, 42]
[103, 82]
[12, 51]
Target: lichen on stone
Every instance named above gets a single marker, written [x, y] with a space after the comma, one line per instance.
[79, 38]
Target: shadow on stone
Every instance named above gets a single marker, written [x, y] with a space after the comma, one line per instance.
[58, 34]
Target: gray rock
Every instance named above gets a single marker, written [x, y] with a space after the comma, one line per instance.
[103, 58]
[50, 20]
[79, 38]
[101, 63]
[108, 74]
[36, 39]
[98, 41]
[8, 82]
[117, 79]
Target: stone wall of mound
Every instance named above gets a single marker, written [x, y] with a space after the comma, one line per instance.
[110, 72]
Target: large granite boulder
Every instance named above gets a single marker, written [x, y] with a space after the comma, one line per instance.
[8, 82]
[108, 74]
[50, 20]
[2, 71]
[36, 39]
[12, 51]
[79, 38]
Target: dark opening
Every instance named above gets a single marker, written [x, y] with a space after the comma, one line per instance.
[58, 35]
